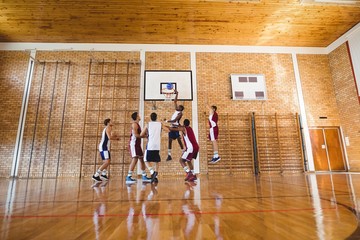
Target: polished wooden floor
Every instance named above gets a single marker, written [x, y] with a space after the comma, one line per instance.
[294, 206]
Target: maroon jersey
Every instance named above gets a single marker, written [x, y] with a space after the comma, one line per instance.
[213, 119]
[135, 143]
[190, 139]
[214, 129]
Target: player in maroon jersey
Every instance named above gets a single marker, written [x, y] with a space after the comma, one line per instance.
[214, 133]
[191, 152]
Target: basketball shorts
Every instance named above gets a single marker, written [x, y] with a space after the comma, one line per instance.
[152, 156]
[213, 134]
[135, 151]
[105, 155]
[174, 135]
[189, 155]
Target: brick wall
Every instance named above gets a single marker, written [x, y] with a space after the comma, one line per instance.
[164, 110]
[213, 72]
[347, 102]
[13, 68]
[41, 151]
[318, 90]
[213, 84]
[42, 154]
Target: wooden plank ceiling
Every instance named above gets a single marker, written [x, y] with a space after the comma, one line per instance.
[206, 22]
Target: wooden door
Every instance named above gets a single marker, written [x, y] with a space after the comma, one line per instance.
[319, 150]
[334, 149]
[327, 149]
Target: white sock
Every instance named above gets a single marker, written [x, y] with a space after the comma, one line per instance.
[129, 173]
[216, 154]
[103, 172]
[186, 169]
[151, 170]
[98, 172]
[144, 173]
[169, 152]
[187, 194]
[150, 196]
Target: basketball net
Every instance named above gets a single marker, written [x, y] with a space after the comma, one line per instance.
[167, 94]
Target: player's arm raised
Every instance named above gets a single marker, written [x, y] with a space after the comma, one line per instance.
[211, 110]
[176, 98]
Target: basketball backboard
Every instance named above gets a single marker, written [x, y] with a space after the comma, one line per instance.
[156, 81]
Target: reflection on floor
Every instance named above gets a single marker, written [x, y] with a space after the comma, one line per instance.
[299, 206]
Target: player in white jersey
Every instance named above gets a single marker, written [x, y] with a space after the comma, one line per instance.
[153, 132]
[175, 119]
[104, 149]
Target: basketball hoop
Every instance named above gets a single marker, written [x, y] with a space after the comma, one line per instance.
[167, 94]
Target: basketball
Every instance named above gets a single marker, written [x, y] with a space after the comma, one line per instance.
[169, 86]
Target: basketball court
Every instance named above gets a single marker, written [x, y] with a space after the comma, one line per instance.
[269, 91]
[297, 206]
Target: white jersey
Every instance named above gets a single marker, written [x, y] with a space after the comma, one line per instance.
[105, 141]
[174, 116]
[154, 139]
